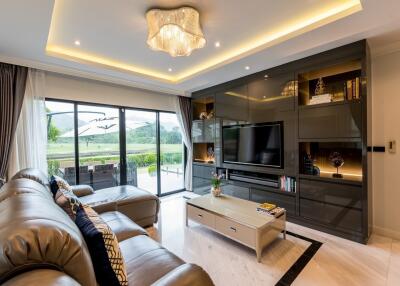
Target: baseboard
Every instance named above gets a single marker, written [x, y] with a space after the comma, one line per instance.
[386, 232]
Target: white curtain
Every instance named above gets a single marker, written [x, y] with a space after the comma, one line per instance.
[30, 142]
[183, 109]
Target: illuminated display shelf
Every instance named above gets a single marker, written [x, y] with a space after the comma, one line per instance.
[314, 160]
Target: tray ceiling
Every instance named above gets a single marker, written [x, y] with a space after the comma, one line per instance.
[253, 35]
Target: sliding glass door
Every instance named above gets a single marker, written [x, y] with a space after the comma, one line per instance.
[105, 146]
[171, 154]
[60, 145]
[141, 149]
[99, 146]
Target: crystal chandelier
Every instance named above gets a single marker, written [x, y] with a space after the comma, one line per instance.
[175, 31]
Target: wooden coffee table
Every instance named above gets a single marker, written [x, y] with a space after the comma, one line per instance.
[237, 219]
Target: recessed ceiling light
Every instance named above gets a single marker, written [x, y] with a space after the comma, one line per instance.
[247, 67]
[217, 44]
[170, 70]
[77, 43]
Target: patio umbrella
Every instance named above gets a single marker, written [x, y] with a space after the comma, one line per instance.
[105, 125]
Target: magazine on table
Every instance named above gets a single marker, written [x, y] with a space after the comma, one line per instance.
[270, 209]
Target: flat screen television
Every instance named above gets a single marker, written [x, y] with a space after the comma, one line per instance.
[255, 144]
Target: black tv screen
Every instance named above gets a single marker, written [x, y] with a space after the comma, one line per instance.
[259, 144]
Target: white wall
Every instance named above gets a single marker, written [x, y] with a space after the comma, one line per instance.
[386, 127]
[81, 89]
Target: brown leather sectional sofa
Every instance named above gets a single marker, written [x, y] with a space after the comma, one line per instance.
[41, 245]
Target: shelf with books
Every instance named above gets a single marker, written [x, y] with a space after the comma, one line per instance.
[339, 83]
[287, 184]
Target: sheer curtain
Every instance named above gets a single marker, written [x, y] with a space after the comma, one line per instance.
[30, 142]
[183, 111]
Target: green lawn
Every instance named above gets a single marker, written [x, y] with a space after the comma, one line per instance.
[65, 148]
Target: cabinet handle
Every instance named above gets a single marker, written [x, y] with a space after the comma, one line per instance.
[232, 228]
[199, 215]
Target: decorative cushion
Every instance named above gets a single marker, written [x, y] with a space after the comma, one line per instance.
[57, 183]
[108, 263]
[68, 202]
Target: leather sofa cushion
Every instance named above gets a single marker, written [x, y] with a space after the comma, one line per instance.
[122, 226]
[42, 277]
[33, 174]
[122, 194]
[35, 231]
[146, 260]
[185, 275]
[139, 205]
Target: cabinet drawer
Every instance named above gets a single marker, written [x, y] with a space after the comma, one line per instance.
[236, 231]
[285, 201]
[201, 216]
[335, 216]
[337, 121]
[236, 191]
[342, 195]
[203, 171]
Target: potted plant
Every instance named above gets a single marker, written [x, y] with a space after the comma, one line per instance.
[216, 185]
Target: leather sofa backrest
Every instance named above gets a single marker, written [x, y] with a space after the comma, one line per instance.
[33, 174]
[36, 233]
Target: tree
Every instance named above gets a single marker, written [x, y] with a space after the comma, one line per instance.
[53, 133]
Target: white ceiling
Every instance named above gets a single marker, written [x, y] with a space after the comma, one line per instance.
[256, 33]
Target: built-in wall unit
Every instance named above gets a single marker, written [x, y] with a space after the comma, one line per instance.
[293, 135]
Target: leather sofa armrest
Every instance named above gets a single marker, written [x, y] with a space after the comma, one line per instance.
[102, 207]
[185, 275]
[44, 277]
[82, 190]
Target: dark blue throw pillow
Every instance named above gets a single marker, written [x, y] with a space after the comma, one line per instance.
[108, 263]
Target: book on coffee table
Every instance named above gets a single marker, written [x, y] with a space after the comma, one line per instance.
[270, 209]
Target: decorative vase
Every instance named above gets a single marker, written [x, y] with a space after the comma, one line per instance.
[216, 191]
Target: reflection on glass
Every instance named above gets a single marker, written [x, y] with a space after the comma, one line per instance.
[141, 149]
[172, 168]
[98, 137]
[60, 148]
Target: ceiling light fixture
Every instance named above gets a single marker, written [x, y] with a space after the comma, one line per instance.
[175, 31]
[247, 67]
[170, 70]
[217, 44]
[77, 43]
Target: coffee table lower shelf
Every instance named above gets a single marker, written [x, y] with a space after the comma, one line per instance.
[256, 238]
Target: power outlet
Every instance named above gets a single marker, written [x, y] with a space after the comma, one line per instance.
[392, 146]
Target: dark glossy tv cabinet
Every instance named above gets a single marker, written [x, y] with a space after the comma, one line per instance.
[323, 103]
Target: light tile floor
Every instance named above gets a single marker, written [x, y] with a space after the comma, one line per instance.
[337, 262]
